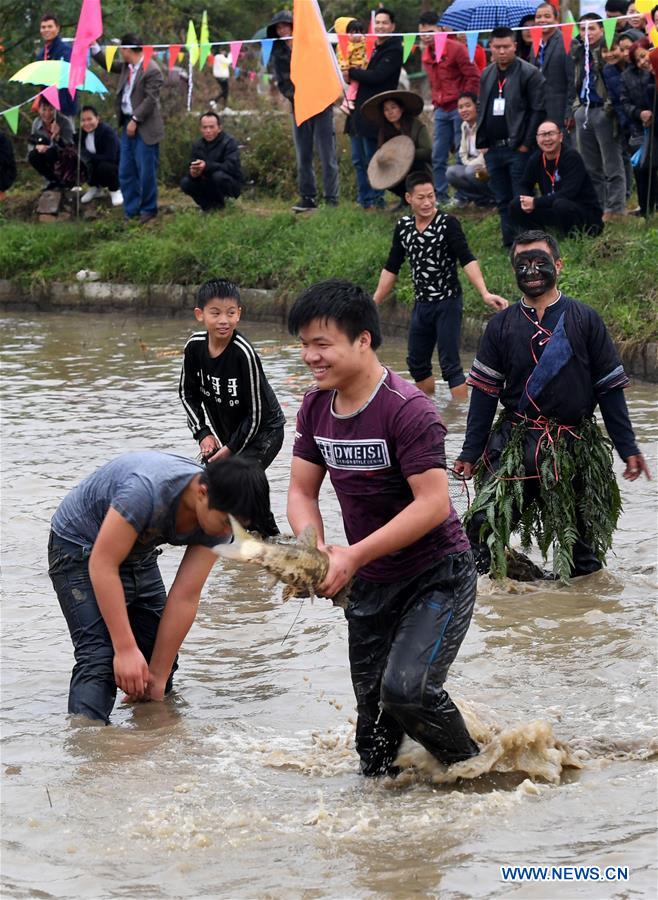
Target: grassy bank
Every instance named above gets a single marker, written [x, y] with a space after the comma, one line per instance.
[268, 246]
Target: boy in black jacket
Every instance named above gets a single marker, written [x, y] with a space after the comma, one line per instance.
[230, 406]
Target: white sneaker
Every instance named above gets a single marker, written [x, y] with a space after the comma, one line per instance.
[90, 195]
[116, 197]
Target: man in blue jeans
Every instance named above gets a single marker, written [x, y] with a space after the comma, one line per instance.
[102, 561]
[512, 103]
[434, 242]
[449, 77]
[138, 113]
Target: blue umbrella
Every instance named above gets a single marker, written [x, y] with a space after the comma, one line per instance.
[483, 15]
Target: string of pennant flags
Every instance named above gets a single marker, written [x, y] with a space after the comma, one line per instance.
[199, 48]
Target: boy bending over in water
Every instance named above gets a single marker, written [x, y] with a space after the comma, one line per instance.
[102, 557]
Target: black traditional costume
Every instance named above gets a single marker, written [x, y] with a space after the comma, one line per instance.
[546, 465]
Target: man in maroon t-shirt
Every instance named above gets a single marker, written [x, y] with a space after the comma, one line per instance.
[412, 596]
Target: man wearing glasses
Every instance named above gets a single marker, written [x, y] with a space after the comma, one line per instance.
[567, 201]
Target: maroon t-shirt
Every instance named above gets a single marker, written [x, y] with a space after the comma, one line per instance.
[369, 455]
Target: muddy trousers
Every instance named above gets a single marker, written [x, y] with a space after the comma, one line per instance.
[93, 690]
[403, 637]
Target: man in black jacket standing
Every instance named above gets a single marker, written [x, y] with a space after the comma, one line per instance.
[512, 102]
[555, 65]
[567, 200]
[214, 172]
[381, 74]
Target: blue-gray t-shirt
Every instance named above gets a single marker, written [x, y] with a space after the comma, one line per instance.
[145, 488]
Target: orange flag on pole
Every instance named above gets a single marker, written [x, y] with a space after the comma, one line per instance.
[313, 67]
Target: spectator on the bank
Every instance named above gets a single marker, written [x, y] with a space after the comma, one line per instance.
[615, 63]
[469, 176]
[512, 102]
[567, 201]
[635, 21]
[553, 62]
[618, 9]
[638, 99]
[221, 72]
[7, 164]
[355, 55]
[524, 38]
[449, 77]
[55, 48]
[597, 129]
[138, 113]
[381, 74]
[317, 133]
[214, 171]
[396, 113]
[99, 150]
[51, 136]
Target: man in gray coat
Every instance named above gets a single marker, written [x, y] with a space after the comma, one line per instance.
[555, 65]
[138, 113]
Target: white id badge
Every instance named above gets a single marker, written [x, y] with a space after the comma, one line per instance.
[499, 106]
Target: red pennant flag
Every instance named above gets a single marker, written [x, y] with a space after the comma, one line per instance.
[440, 38]
[148, 53]
[174, 50]
[344, 44]
[371, 37]
[536, 35]
[51, 94]
[567, 35]
[235, 47]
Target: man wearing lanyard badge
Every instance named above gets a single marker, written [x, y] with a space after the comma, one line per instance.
[512, 101]
[567, 201]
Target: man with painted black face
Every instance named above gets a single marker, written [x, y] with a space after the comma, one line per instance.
[547, 358]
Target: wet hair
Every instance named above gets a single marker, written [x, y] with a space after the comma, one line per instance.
[217, 289]
[428, 18]
[641, 44]
[533, 237]
[89, 108]
[349, 306]
[210, 114]
[238, 486]
[131, 41]
[468, 95]
[50, 17]
[413, 179]
[387, 12]
[356, 26]
[619, 7]
[501, 33]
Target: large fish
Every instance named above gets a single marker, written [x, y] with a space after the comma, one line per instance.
[299, 564]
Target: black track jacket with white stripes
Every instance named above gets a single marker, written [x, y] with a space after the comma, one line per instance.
[228, 395]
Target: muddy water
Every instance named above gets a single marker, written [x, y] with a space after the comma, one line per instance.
[245, 784]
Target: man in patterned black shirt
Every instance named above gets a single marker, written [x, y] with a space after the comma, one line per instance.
[434, 242]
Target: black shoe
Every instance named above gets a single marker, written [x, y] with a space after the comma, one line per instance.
[146, 217]
[305, 204]
[331, 201]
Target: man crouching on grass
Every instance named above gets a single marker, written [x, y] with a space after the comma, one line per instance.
[102, 556]
[412, 596]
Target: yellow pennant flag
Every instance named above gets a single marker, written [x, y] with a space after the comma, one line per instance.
[192, 43]
[110, 53]
[313, 67]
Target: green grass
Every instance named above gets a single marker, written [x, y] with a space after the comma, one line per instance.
[266, 245]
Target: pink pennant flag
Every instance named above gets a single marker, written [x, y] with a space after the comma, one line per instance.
[90, 28]
[235, 46]
[146, 59]
[174, 50]
[536, 35]
[51, 94]
[440, 38]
